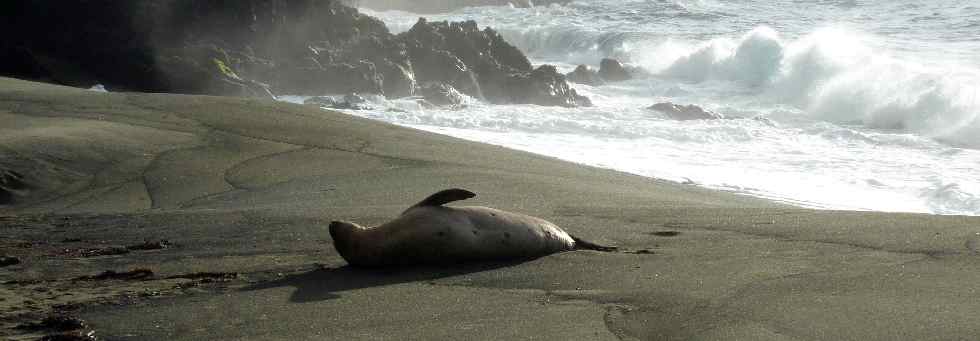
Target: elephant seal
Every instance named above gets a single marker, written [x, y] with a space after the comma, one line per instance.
[428, 233]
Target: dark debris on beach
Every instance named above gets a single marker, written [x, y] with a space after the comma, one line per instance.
[135, 274]
[8, 261]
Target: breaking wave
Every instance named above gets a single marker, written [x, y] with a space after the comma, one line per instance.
[879, 110]
[833, 75]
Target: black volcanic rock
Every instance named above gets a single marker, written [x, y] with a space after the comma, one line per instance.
[441, 95]
[198, 46]
[481, 64]
[459, 54]
[75, 42]
[685, 112]
[478, 49]
[397, 78]
[543, 86]
[255, 48]
[331, 78]
[434, 66]
[440, 6]
[612, 70]
[390, 59]
[584, 74]
[205, 69]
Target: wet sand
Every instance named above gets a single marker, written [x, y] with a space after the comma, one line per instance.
[211, 215]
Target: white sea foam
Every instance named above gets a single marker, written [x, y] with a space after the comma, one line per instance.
[876, 111]
[834, 76]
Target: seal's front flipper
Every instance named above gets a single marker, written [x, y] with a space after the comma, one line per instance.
[581, 244]
[444, 196]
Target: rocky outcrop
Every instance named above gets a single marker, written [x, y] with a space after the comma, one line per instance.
[301, 47]
[439, 6]
[584, 74]
[441, 95]
[211, 47]
[205, 69]
[437, 66]
[254, 48]
[685, 112]
[543, 86]
[461, 55]
[480, 63]
[612, 70]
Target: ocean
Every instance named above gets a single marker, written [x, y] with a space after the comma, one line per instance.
[856, 105]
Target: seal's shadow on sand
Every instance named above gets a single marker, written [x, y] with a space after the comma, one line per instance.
[324, 284]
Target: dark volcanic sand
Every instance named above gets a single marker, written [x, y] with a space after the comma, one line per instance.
[242, 190]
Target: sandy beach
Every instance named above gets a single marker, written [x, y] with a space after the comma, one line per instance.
[175, 217]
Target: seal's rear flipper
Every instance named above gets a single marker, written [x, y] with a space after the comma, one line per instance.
[581, 244]
[444, 196]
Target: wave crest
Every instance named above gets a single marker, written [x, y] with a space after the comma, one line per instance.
[836, 75]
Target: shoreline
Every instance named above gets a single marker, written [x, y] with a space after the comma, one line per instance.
[772, 197]
[242, 189]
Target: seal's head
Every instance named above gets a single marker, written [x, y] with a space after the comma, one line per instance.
[345, 239]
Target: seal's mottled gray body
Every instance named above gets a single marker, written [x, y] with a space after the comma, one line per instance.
[431, 233]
